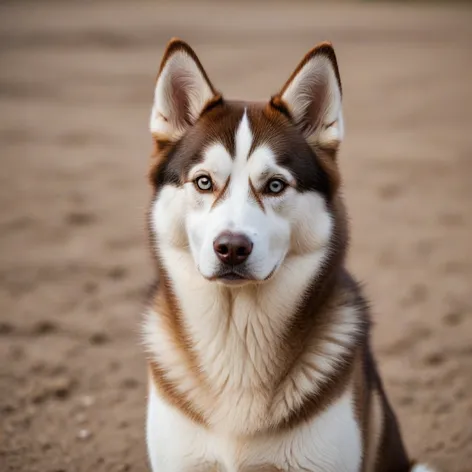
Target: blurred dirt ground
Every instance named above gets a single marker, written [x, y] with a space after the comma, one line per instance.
[76, 82]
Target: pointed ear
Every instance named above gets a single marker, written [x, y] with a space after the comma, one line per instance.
[312, 96]
[182, 91]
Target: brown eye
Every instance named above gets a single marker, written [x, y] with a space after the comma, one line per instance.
[275, 186]
[204, 183]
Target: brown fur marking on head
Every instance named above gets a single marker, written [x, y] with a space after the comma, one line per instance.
[222, 194]
[256, 197]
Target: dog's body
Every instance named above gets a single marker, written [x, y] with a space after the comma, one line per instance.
[258, 338]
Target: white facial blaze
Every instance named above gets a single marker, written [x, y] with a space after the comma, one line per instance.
[243, 140]
[239, 184]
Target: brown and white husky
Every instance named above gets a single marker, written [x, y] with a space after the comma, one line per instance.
[257, 336]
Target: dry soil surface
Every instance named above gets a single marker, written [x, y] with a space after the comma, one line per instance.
[76, 81]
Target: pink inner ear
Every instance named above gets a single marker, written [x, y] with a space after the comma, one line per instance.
[317, 94]
[181, 86]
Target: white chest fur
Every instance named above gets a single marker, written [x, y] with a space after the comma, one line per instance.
[330, 442]
[238, 355]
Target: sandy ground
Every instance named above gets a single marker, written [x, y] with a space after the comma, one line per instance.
[75, 86]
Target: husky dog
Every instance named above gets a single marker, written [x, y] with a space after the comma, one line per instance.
[257, 336]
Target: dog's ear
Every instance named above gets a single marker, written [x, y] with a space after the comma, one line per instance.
[182, 91]
[312, 96]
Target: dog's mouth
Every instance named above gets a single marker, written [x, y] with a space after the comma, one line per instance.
[232, 276]
[235, 276]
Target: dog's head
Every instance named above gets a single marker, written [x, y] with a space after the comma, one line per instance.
[243, 186]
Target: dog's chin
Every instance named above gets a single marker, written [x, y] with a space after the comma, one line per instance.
[234, 281]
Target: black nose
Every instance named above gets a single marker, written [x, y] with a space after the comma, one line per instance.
[232, 248]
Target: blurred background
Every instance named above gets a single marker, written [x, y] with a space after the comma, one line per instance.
[76, 81]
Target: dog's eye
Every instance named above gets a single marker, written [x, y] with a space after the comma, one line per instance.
[275, 186]
[204, 183]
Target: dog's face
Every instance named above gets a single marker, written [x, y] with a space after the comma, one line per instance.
[243, 186]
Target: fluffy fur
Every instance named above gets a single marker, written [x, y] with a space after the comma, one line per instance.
[261, 363]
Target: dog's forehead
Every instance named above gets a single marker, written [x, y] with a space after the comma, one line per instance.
[252, 126]
[241, 128]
